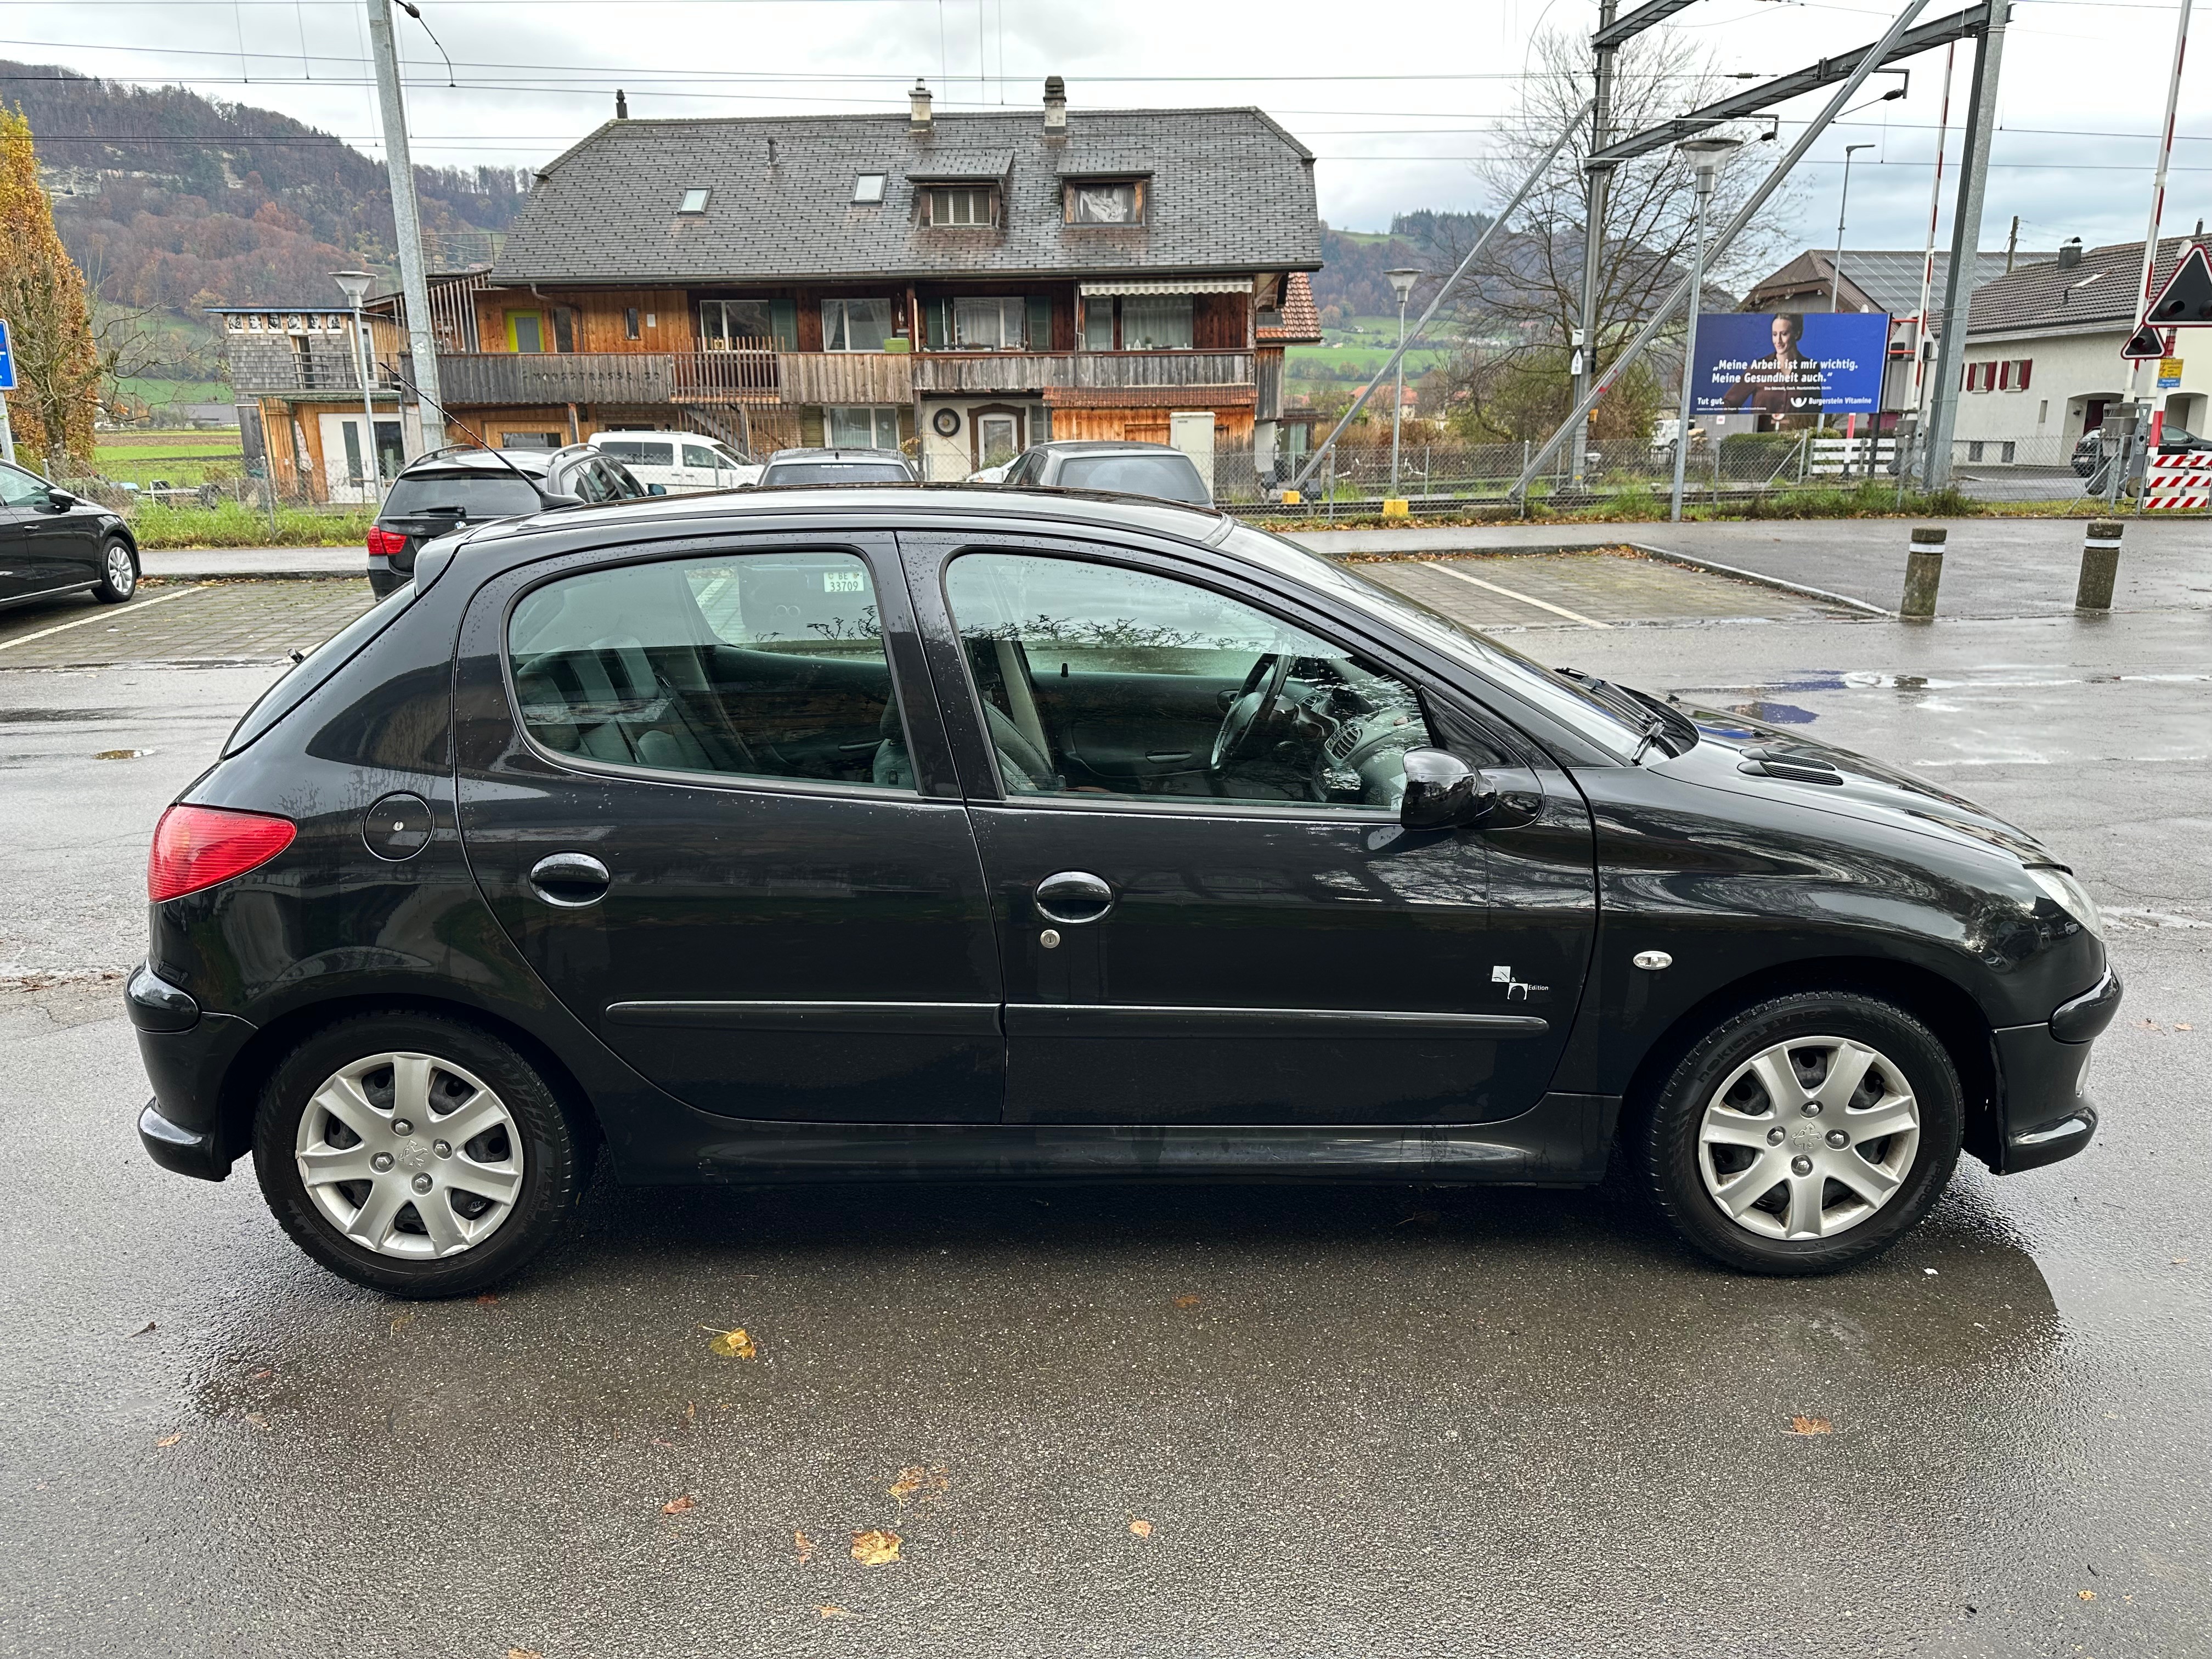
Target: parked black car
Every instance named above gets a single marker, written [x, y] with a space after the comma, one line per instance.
[53, 543]
[1117, 466]
[789, 467]
[956, 833]
[451, 489]
[2098, 449]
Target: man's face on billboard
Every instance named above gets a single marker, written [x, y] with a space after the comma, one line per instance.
[1783, 342]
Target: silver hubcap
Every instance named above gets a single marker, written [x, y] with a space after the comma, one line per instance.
[1809, 1137]
[120, 576]
[408, 1155]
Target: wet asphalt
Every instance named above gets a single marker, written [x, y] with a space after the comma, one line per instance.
[1133, 1420]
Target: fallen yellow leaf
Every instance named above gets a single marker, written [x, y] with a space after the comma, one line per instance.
[1142, 1528]
[1811, 1425]
[679, 1505]
[875, 1549]
[733, 1345]
[402, 1322]
[930, 1482]
[833, 1613]
[524, 1653]
[170, 1439]
[805, 1546]
[2086, 1595]
[1187, 1301]
[256, 1419]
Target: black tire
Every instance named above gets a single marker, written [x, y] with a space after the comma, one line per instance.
[1665, 1138]
[119, 577]
[556, 1158]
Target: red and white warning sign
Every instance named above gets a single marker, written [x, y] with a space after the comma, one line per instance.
[2178, 484]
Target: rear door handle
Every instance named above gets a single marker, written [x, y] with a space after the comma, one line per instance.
[570, 880]
[1073, 897]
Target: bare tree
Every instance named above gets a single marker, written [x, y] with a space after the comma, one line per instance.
[1524, 299]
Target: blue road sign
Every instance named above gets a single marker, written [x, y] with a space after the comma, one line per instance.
[7, 361]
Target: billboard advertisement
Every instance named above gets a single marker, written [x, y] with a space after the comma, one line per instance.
[1794, 367]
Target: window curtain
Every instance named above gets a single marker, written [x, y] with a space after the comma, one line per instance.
[1156, 322]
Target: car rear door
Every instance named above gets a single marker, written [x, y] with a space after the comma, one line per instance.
[1188, 943]
[708, 795]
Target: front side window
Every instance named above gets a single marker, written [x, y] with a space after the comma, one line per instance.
[1100, 681]
[697, 455]
[762, 665]
[862, 428]
[855, 324]
[963, 206]
[19, 488]
[1156, 322]
[1105, 204]
[994, 324]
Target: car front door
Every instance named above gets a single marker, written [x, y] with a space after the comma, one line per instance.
[52, 548]
[707, 796]
[1208, 912]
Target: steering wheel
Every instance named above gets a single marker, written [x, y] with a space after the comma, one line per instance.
[1255, 698]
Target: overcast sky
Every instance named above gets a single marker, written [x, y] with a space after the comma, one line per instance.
[1396, 100]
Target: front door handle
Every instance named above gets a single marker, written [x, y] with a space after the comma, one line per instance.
[1073, 897]
[571, 880]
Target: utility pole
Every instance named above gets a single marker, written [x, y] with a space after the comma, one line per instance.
[1704, 156]
[2012, 244]
[1966, 249]
[1843, 202]
[2143, 292]
[1402, 282]
[414, 282]
[1597, 190]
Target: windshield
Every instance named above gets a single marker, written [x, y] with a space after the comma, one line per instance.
[837, 472]
[1170, 477]
[474, 496]
[1596, 720]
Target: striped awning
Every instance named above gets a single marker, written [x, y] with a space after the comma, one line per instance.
[1169, 285]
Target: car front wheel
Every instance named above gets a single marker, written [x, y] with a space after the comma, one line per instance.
[1804, 1135]
[119, 573]
[416, 1155]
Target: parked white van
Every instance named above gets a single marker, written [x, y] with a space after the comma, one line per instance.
[684, 461]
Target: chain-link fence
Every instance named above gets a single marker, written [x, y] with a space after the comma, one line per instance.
[227, 511]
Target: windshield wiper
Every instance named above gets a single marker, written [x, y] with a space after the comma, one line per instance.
[1654, 729]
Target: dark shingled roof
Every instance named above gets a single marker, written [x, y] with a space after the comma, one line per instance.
[1228, 191]
[1887, 280]
[2101, 289]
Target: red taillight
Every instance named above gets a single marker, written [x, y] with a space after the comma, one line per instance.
[383, 544]
[196, 847]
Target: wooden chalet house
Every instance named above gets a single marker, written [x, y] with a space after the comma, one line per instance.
[960, 286]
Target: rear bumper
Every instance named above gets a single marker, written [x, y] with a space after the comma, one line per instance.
[2044, 1110]
[179, 1149]
[187, 1053]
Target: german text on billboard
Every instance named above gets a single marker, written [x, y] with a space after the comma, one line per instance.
[1796, 367]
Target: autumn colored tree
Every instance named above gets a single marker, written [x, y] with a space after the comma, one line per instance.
[49, 316]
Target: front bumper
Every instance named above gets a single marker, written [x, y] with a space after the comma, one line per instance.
[2045, 1111]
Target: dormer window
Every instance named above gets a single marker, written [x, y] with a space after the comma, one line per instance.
[963, 206]
[868, 188]
[1105, 202]
[695, 201]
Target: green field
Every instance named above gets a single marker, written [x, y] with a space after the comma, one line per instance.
[182, 458]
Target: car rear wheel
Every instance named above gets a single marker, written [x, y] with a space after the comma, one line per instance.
[119, 573]
[1804, 1135]
[416, 1155]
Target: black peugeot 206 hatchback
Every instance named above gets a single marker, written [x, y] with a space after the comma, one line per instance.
[957, 835]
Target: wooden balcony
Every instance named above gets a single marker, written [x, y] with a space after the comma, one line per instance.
[960, 372]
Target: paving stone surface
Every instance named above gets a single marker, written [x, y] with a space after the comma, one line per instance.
[199, 622]
[1575, 590]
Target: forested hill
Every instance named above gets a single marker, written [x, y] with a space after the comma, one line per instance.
[1351, 278]
[167, 199]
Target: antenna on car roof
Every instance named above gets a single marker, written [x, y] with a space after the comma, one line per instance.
[546, 497]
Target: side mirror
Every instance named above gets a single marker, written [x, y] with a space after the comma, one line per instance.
[656, 489]
[1442, 791]
[60, 500]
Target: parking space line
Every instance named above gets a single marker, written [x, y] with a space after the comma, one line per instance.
[97, 616]
[1525, 599]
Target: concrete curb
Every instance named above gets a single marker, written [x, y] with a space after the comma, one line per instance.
[1713, 567]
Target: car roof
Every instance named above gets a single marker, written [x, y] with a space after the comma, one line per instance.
[883, 503]
[473, 459]
[848, 455]
[656, 436]
[1105, 446]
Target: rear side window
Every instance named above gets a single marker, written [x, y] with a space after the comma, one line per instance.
[764, 666]
[470, 495]
[638, 453]
[1170, 478]
[837, 472]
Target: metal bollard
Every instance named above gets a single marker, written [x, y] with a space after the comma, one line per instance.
[2100, 565]
[1923, 573]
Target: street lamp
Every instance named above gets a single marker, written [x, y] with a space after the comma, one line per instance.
[356, 285]
[1402, 284]
[1705, 157]
[1836, 273]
